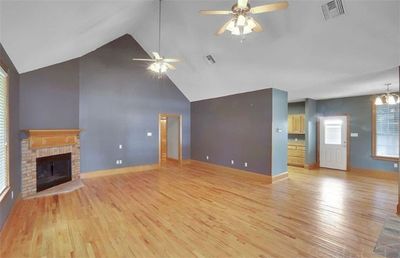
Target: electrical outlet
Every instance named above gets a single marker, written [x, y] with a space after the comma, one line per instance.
[396, 165]
[120, 146]
[117, 162]
[149, 134]
[232, 162]
[207, 158]
[245, 164]
[120, 161]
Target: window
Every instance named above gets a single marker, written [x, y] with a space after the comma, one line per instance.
[385, 132]
[333, 132]
[4, 183]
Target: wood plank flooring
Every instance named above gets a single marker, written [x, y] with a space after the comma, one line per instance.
[193, 211]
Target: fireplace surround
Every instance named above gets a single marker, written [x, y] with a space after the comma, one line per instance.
[40, 150]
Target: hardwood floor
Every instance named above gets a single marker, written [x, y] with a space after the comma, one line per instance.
[192, 211]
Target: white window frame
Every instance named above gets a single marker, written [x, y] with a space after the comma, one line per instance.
[3, 192]
[373, 136]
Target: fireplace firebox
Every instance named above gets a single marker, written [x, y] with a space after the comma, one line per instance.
[52, 171]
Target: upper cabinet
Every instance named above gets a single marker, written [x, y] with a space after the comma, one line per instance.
[296, 124]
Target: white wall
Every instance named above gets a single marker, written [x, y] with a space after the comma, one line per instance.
[173, 137]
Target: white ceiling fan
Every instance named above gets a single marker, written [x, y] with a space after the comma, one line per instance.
[159, 64]
[241, 22]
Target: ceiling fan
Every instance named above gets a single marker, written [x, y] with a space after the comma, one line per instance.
[159, 64]
[241, 22]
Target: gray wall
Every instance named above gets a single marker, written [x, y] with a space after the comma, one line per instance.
[311, 131]
[296, 108]
[15, 158]
[279, 132]
[359, 110]
[236, 127]
[119, 103]
[49, 97]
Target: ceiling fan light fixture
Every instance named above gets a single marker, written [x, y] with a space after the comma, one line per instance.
[241, 20]
[250, 23]
[236, 31]
[231, 25]
[247, 30]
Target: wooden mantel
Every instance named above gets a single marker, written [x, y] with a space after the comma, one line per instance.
[45, 138]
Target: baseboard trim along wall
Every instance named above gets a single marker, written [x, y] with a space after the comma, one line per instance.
[117, 171]
[311, 166]
[238, 172]
[379, 174]
[279, 177]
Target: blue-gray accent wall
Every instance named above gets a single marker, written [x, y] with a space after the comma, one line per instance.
[239, 127]
[15, 154]
[235, 127]
[310, 121]
[279, 132]
[49, 97]
[359, 110]
[119, 103]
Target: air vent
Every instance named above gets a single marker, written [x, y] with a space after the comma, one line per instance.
[332, 9]
[210, 59]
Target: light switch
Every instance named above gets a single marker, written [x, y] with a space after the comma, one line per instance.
[354, 134]
[149, 133]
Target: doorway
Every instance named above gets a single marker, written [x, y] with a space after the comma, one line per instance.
[170, 138]
[333, 142]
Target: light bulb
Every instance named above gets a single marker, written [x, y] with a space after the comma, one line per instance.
[246, 30]
[231, 25]
[378, 101]
[390, 100]
[250, 23]
[236, 31]
[241, 20]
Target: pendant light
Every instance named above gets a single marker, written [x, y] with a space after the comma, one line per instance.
[159, 65]
[387, 98]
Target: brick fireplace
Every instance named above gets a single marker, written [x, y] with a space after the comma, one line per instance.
[36, 145]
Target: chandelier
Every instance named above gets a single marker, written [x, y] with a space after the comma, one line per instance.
[387, 98]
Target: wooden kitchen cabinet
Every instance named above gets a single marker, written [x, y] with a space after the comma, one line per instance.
[296, 124]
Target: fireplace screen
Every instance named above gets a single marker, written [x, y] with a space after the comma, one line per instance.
[52, 171]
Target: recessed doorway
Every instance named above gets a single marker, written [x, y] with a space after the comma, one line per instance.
[170, 138]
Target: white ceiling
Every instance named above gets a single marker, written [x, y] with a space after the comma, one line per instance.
[298, 51]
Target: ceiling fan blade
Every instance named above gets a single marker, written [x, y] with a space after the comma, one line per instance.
[214, 12]
[242, 3]
[171, 60]
[170, 66]
[156, 55]
[269, 7]
[258, 27]
[223, 28]
[146, 60]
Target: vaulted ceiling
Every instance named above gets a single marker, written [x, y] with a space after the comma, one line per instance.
[298, 50]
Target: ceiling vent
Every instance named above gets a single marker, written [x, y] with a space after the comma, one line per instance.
[210, 59]
[332, 9]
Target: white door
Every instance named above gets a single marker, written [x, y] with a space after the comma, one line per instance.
[333, 142]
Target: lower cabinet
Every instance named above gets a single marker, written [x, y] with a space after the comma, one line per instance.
[296, 153]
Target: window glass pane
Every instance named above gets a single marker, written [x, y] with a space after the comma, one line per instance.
[333, 132]
[3, 131]
[387, 130]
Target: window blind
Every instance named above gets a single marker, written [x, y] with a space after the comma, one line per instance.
[3, 131]
[387, 130]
